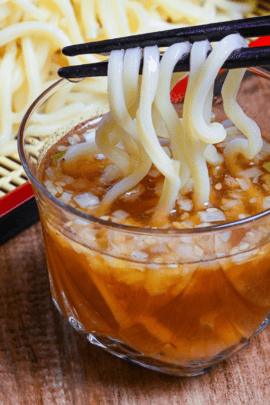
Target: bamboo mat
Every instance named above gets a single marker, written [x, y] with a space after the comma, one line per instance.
[11, 173]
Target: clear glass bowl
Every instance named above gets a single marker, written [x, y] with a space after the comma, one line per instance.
[180, 310]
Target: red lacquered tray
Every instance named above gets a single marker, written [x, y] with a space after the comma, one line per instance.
[15, 198]
[18, 209]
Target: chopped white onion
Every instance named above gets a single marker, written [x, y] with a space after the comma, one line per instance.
[187, 223]
[225, 236]
[86, 200]
[76, 138]
[266, 203]
[230, 204]
[81, 222]
[110, 173]
[198, 251]
[211, 216]
[244, 183]
[59, 189]
[185, 204]
[159, 248]
[253, 236]
[184, 251]
[67, 179]
[48, 184]
[66, 197]
[227, 123]
[137, 255]
[251, 172]
[120, 214]
[90, 135]
[100, 156]
[52, 190]
[62, 148]
[50, 173]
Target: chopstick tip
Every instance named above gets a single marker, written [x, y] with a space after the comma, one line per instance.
[68, 50]
[61, 72]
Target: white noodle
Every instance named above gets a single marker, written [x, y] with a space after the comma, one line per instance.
[252, 145]
[214, 132]
[193, 147]
[147, 134]
[31, 69]
[121, 87]
[35, 12]
[5, 91]
[81, 149]
[88, 17]
[115, 154]
[116, 96]
[165, 107]
[212, 156]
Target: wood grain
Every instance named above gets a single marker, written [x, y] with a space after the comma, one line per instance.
[44, 361]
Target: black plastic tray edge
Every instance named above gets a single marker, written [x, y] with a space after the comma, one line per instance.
[17, 220]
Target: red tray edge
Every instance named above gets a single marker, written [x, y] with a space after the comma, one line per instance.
[15, 198]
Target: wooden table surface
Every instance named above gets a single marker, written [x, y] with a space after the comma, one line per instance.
[44, 361]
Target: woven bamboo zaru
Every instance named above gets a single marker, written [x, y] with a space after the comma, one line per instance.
[12, 174]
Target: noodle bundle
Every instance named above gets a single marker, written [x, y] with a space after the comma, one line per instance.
[192, 138]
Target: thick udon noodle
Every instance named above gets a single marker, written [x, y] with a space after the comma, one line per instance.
[141, 115]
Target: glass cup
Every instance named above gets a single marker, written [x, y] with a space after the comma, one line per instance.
[175, 301]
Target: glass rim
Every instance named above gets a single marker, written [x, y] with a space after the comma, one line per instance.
[112, 225]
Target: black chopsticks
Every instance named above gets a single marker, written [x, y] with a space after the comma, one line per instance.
[248, 28]
[244, 57]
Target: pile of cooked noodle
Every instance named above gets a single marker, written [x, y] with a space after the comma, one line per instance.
[142, 116]
[32, 33]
